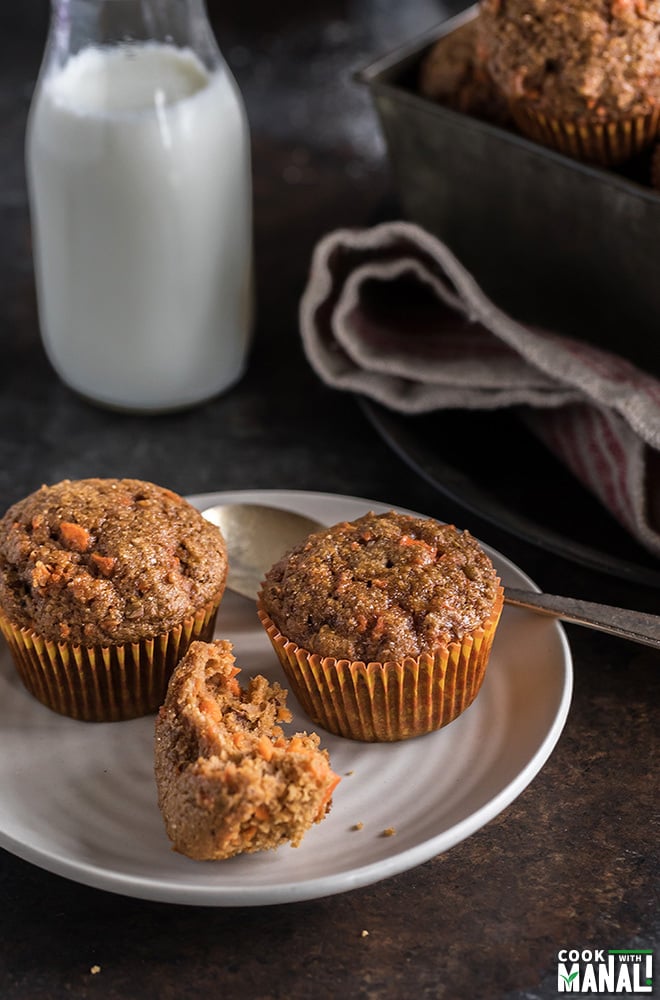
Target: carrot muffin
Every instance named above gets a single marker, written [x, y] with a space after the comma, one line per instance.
[229, 781]
[581, 77]
[103, 584]
[383, 625]
[452, 74]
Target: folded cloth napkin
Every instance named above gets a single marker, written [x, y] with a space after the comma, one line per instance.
[390, 312]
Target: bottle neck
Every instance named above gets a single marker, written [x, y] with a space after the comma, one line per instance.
[77, 24]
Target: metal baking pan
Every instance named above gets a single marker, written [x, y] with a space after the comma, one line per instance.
[555, 242]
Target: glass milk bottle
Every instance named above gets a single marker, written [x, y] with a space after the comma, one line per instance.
[138, 168]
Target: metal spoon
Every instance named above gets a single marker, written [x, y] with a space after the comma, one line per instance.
[257, 536]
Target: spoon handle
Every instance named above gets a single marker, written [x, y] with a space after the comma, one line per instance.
[633, 625]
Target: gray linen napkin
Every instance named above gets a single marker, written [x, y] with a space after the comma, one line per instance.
[390, 312]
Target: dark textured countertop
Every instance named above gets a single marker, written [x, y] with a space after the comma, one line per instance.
[573, 862]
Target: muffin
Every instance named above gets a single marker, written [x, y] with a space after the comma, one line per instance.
[583, 78]
[229, 782]
[452, 74]
[383, 625]
[103, 585]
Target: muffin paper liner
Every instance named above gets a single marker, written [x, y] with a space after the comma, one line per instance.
[384, 702]
[606, 143]
[103, 683]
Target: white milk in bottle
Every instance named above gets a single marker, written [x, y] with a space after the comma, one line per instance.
[140, 194]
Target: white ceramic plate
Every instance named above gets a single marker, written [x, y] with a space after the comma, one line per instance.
[79, 799]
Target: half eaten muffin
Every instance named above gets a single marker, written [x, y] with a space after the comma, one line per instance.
[229, 781]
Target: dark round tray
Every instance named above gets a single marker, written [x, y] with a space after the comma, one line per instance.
[498, 470]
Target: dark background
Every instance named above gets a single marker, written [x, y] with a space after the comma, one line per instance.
[573, 862]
